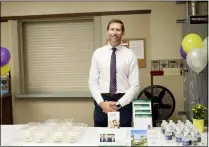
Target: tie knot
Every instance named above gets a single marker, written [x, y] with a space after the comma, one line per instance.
[114, 49]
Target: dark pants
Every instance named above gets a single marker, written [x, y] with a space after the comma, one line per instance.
[101, 120]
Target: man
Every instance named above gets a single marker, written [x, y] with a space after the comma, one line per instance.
[109, 138]
[114, 78]
[102, 138]
[113, 137]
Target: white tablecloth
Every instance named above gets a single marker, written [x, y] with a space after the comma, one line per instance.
[10, 136]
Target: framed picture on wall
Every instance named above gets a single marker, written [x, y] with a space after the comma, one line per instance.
[173, 63]
[155, 65]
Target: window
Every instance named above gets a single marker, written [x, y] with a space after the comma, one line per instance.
[56, 55]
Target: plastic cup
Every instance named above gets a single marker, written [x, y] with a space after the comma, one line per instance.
[33, 125]
[58, 136]
[27, 135]
[52, 121]
[67, 120]
[41, 135]
[75, 127]
[72, 137]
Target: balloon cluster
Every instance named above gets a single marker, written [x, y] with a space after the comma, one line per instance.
[195, 51]
[5, 58]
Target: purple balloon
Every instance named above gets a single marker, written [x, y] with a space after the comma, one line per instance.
[183, 54]
[5, 56]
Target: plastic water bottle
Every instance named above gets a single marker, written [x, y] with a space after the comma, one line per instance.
[163, 126]
[178, 136]
[191, 126]
[168, 135]
[194, 138]
[164, 121]
[186, 128]
[187, 121]
[170, 121]
[174, 127]
[189, 138]
[198, 137]
[185, 139]
[168, 132]
[180, 126]
[178, 123]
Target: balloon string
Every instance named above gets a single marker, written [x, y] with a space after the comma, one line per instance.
[185, 79]
[192, 95]
[191, 87]
[198, 85]
[201, 86]
[191, 84]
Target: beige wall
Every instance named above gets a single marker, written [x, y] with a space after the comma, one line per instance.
[163, 43]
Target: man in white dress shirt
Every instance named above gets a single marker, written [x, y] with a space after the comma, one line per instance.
[114, 78]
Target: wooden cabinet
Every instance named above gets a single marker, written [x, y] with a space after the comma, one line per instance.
[6, 104]
[6, 109]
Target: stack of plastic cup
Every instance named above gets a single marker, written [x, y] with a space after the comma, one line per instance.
[72, 137]
[76, 131]
[41, 135]
[58, 136]
[28, 131]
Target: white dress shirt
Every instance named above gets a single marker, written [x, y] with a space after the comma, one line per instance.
[127, 73]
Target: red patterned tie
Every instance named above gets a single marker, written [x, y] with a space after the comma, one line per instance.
[113, 81]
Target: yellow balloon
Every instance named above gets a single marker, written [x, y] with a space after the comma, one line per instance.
[191, 41]
[5, 69]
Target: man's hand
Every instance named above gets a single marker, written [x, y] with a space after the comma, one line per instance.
[108, 106]
[114, 107]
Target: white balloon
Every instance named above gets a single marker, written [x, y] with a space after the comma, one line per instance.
[205, 46]
[197, 59]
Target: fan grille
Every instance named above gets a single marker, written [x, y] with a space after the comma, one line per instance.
[159, 95]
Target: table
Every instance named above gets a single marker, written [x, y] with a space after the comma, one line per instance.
[10, 136]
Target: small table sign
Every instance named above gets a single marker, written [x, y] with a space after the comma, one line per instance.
[112, 137]
[154, 137]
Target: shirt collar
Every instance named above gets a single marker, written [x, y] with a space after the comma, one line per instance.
[117, 47]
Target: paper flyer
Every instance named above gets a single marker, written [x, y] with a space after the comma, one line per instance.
[142, 114]
[138, 137]
[114, 120]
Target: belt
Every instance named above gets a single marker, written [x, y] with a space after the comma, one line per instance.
[113, 95]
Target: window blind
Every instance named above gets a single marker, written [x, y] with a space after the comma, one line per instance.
[57, 55]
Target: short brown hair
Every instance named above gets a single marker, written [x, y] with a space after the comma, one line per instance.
[116, 21]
